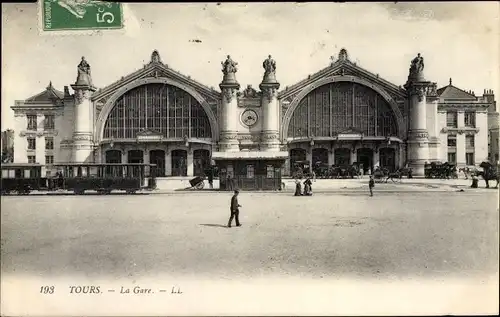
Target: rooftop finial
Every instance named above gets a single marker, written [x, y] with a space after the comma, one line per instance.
[343, 55]
[50, 85]
[450, 81]
[155, 57]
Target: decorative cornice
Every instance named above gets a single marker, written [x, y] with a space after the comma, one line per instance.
[455, 131]
[39, 134]
[229, 93]
[269, 92]
[463, 106]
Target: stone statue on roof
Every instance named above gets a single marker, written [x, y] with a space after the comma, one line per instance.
[269, 65]
[84, 75]
[229, 66]
[417, 65]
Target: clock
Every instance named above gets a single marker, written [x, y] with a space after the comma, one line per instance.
[249, 117]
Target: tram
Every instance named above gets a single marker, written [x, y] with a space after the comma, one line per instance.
[78, 178]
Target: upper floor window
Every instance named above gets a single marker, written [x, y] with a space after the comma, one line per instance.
[31, 144]
[32, 125]
[451, 119]
[469, 158]
[469, 141]
[49, 159]
[470, 119]
[49, 143]
[452, 141]
[49, 122]
[31, 159]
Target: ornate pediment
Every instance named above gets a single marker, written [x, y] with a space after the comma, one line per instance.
[156, 69]
[343, 66]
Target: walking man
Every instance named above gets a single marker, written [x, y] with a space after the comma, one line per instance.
[235, 210]
[371, 184]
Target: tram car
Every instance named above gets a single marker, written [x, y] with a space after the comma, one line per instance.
[78, 178]
[21, 178]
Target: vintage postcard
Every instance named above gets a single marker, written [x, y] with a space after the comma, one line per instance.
[249, 158]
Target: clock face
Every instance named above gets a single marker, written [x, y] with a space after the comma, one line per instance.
[249, 117]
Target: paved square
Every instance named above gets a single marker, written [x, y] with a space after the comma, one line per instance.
[327, 235]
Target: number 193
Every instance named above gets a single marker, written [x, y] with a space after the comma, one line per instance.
[47, 290]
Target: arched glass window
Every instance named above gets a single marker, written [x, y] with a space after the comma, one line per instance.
[336, 107]
[158, 107]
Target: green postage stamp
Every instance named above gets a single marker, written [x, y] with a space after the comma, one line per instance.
[67, 15]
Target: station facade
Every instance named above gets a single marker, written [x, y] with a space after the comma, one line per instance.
[337, 116]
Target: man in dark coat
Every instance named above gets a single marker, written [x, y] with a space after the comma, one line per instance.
[371, 184]
[235, 210]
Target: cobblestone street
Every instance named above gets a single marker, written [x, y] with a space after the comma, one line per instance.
[326, 235]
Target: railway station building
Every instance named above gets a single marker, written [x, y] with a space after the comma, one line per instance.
[337, 116]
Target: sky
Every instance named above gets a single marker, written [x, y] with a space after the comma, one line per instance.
[457, 40]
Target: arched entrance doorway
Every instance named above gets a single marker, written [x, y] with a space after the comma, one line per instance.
[365, 157]
[158, 157]
[135, 157]
[296, 155]
[342, 157]
[179, 163]
[201, 161]
[113, 156]
[388, 158]
[319, 155]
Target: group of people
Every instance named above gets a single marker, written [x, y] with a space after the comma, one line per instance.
[307, 188]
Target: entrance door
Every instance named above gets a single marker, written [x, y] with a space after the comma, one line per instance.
[179, 163]
[319, 155]
[365, 157]
[201, 161]
[135, 157]
[113, 156]
[158, 157]
[388, 158]
[342, 157]
[296, 155]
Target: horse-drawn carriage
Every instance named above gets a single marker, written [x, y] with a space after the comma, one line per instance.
[440, 170]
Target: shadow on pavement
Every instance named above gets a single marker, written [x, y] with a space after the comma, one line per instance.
[212, 225]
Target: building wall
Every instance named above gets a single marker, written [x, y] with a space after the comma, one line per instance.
[20, 143]
[481, 138]
[443, 137]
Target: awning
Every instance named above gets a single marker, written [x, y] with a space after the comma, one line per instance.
[250, 155]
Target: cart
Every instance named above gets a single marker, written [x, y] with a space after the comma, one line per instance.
[197, 182]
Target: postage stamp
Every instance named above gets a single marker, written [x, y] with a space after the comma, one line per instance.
[64, 15]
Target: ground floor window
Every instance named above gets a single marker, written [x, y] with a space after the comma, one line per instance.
[469, 158]
[452, 158]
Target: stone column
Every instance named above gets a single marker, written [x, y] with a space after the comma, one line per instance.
[190, 163]
[83, 145]
[418, 136]
[353, 155]
[376, 158]
[124, 155]
[331, 157]
[168, 163]
[229, 116]
[270, 107]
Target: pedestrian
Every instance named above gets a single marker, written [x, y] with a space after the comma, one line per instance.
[371, 184]
[210, 177]
[229, 182]
[307, 187]
[298, 188]
[235, 210]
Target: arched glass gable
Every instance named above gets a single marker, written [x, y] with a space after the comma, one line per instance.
[158, 107]
[337, 107]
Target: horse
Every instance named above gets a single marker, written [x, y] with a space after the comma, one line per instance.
[393, 176]
[488, 176]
